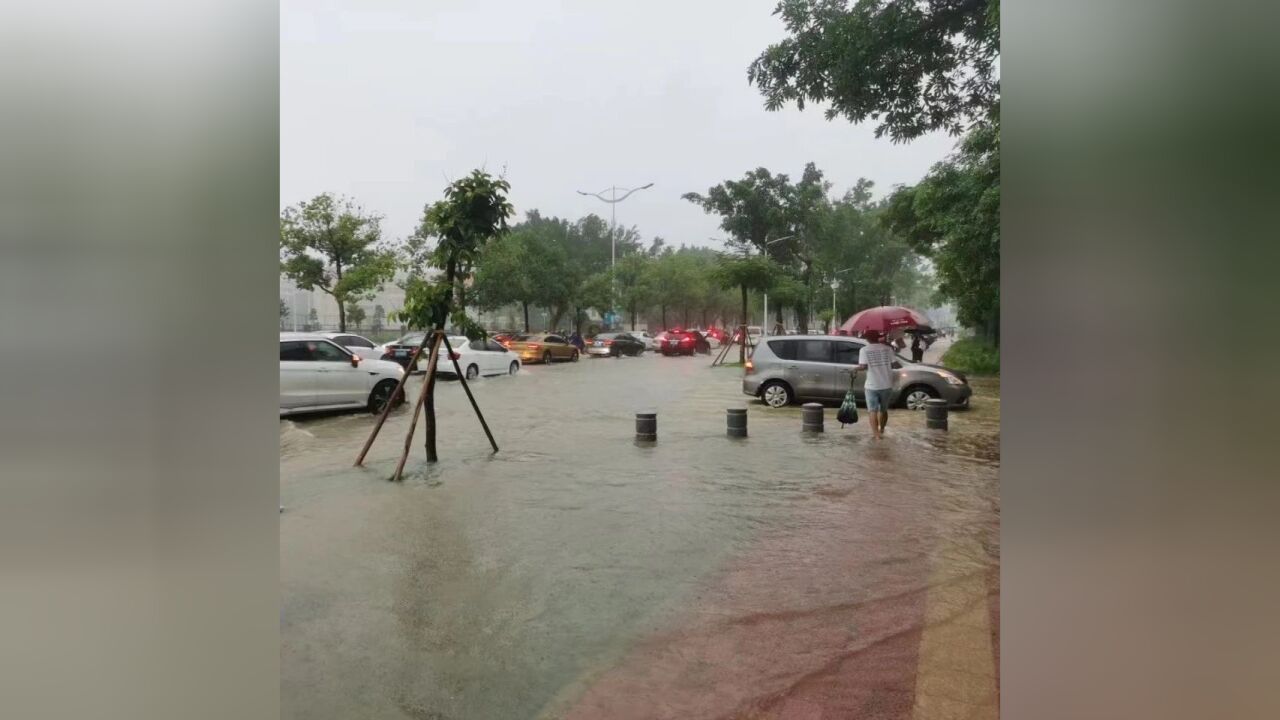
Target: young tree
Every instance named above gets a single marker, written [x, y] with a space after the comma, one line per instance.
[379, 318]
[914, 66]
[330, 244]
[284, 312]
[746, 274]
[473, 213]
[355, 316]
[313, 320]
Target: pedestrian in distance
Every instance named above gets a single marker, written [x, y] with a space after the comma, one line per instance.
[917, 352]
[878, 360]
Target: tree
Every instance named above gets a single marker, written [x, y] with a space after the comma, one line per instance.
[914, 66]
[355, 316]
[522, 268]
[379, 318]
[473, 213]
[313, 320]
[593, 293]
[952, 217]
[284, 312]
[745, 273]
[632, 283]
[330, 244]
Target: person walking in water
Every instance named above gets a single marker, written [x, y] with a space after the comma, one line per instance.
[917, 352]
[878, 360]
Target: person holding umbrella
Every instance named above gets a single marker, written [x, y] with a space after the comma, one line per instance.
[917, 352]
[878, 360]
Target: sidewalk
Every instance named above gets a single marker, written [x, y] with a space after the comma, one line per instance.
[933, 354]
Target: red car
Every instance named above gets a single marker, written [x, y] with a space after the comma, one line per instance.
[684, 342]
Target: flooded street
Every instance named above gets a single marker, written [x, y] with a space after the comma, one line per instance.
[578, 574]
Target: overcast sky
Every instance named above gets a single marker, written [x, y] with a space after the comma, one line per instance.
[388, 100]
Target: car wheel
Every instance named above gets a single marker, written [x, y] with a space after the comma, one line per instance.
[473, 372]
[546, 358]
[915, 397]
[381, 394]
[776, 394]
[514, 368]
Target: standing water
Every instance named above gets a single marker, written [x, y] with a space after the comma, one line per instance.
[580, 574]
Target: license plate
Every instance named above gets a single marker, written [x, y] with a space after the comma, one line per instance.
[599, 344]
[402, 353]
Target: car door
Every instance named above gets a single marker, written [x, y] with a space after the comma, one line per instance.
[298, 378]
[338, 383]
[846, 364]
[559, 349]
[814, 371]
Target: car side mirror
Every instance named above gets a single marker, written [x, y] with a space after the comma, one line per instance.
[355, 361]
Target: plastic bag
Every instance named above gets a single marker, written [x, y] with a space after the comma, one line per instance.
[848, 413]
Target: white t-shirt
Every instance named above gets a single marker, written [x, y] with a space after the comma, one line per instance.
[879, 360]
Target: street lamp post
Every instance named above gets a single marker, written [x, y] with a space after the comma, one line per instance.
[613, 201]
[835, 284]
[764, 326]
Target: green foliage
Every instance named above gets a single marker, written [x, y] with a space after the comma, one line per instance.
[379, 318]
[355, 316]
[914, 66]
[313, 320]
[284, 309]
[330, 244]
[632, 283]
[473, 212]
[752, 209]
[952, 217]
[973, 356]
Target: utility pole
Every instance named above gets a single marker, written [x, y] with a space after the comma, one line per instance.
[613, 201]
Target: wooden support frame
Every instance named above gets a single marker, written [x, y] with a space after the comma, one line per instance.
[425, 403]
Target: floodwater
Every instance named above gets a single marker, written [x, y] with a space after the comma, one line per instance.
[579, 574]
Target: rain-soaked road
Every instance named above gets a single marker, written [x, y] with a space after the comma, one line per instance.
[578, 575]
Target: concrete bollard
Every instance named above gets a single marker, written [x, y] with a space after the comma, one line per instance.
[811, 417]
[647, 426]
[736, 422]
[935, 414]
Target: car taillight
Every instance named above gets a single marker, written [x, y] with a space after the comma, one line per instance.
[608, 342]
[534, 346]
[750, 367]
[454, 356]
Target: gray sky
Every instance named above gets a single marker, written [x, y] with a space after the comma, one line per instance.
[388, 100]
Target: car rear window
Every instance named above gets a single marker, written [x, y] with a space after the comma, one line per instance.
[409, 340]
[525, 338]
[813, 350]
[784, 349]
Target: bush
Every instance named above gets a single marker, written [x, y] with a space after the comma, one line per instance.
[973, 357]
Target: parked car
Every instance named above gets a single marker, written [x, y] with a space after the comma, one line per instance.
[542, 347]
[650, 342]
[318, 374]
[401, 349]
[684, 342]
[479, 357]
[358, 344]
[719, 334]
[616, 344]
[788, 369]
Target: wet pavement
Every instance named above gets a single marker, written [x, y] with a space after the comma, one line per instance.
[579, 574]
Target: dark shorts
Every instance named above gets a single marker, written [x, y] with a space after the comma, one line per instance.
[878, 400]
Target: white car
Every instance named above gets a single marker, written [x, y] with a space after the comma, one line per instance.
[318, 374]
[479, 357]
[650, 342]
[358, 344]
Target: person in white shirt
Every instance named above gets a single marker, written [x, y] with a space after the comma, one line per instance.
[878, 360]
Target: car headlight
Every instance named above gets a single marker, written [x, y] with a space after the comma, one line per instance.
[951, 379]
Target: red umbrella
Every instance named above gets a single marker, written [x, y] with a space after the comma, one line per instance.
[887, 319]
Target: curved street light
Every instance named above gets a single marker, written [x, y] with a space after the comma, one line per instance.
[613, 201]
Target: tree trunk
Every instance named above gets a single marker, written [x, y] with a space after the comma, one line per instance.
[342, 316]
[742, 347]
[664, 316]
[525, 305]
[577, 319]
[777, 325]
[704, 318]
[633, 317]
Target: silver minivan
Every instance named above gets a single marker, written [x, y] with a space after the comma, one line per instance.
[783, 370]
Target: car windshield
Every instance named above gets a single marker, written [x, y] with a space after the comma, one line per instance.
[415, 339]
[608, 336]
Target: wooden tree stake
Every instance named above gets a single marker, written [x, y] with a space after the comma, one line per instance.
[386, 410]
[474, 406]
[426, 390]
